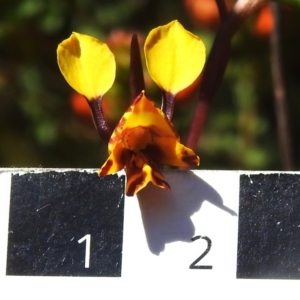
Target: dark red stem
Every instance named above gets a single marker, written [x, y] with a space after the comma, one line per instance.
[137, 84]
[222, 9]
[99, 120]
[168, 104]
[216, 64]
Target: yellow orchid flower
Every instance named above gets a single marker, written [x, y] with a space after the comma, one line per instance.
[144, 139]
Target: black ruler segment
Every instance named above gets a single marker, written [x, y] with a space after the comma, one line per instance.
[51, 211]
[269, 227]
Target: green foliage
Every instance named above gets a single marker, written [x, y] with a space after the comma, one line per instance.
[292, 3]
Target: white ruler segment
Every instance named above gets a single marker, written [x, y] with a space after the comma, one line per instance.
[160, 260]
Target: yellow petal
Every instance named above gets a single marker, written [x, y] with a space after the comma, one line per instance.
[174, 56]
[142, 114]
[168, 151]
[140, 173]
[116, 161]
[87, 65]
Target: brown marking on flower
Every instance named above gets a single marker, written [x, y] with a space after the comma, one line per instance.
[137, 138]
[190, 159]
[133, 186]
[160, 181]
[153, 152]
[106, 168]
[117, 134]
[125, 156]
[138, 98]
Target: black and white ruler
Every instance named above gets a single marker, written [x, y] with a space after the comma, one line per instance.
[68, 234]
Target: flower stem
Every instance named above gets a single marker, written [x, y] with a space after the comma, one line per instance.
[98, 118]
[222, 9]
[283, 130]
[216, 64]
[167, 106]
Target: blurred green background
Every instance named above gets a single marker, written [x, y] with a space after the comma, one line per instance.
[44, 123]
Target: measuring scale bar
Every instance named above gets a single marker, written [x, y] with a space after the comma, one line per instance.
[69, 233]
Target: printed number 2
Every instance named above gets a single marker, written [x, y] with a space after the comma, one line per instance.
[193, 264]
[86, 238]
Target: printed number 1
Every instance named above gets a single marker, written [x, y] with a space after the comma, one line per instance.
[86, 238]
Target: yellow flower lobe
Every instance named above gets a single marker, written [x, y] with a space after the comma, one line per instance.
[87, 65]
[174, 56]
